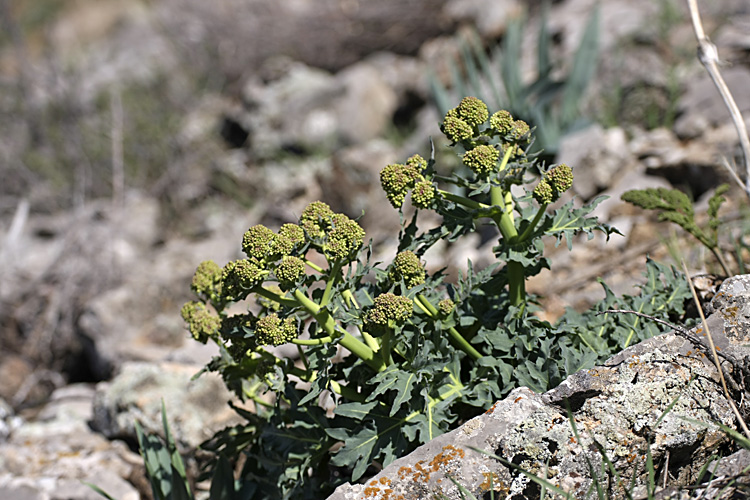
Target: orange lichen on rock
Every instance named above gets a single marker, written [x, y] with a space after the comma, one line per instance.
[491, 480]
[492, 409]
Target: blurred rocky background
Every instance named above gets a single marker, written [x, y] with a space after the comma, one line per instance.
[140, 137]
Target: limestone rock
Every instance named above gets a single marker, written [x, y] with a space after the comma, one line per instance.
[196, 408]
[51, 457]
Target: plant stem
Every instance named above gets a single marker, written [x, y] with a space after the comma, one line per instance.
[314, 266]
[276, 297]
[527, 232]
[327, 323]
[333, 276]
[462, 200]
[456, 338]
[385, 352]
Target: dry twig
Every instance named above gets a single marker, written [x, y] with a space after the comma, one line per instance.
[713, 351]
[708, 55]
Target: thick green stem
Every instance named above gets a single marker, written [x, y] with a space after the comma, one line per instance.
[527, 232]
[314, 266]
[316, 341]
[457, 339]
[462, 200]
[333, 277]
[276, 297]
[385, 353]
[347, 341]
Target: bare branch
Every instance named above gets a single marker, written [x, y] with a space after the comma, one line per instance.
[708, 55]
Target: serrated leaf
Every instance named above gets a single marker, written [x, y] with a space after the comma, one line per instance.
[381, 435]
[567, 221]
[357, 411]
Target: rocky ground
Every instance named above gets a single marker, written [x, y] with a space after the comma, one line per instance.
[140, 138]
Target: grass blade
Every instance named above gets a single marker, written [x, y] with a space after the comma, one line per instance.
[584, 66]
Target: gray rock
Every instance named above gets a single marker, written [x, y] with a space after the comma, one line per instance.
[51, 457]
[488, 16]
[196, 408]
[599, 157]
[366, 108]
[661, 395]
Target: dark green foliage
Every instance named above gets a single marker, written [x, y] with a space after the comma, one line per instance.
[421, 355]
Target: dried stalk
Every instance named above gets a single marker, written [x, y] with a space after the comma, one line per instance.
[708, 55]
[713, 351]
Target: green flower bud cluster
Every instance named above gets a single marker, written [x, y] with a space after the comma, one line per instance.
[315, 219]
[202, 323]
[272, 330]
[290, 238]
[502, 122]
[398, 179]
[560, 178]
[335, 234]
[555, 182]
[206, 281]
[460, 122]
[482, 160]
[258, 242]
[263, 245]
[407, 267]
[423, 194]
[345, 238]
[289, 271]
[239, 277]
[455, 128]
[543, 192]
[446, 307]
[388, 310]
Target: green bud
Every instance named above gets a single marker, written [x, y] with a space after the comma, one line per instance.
[289, 271]
[408, 267]
[396, 180]
[473, 111]
[389, 310]
[446, 307]
[258, 242]
[315, 219]
[560, 178]
[202, 323]
[520, 130]
[207, 279]
[290, 237]
[456, 129]
[423, 194]
[543, 192]
[502, 122]
[417, 162]
[239, 277]
[344, 239]
[271, 330]
[482, 160]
